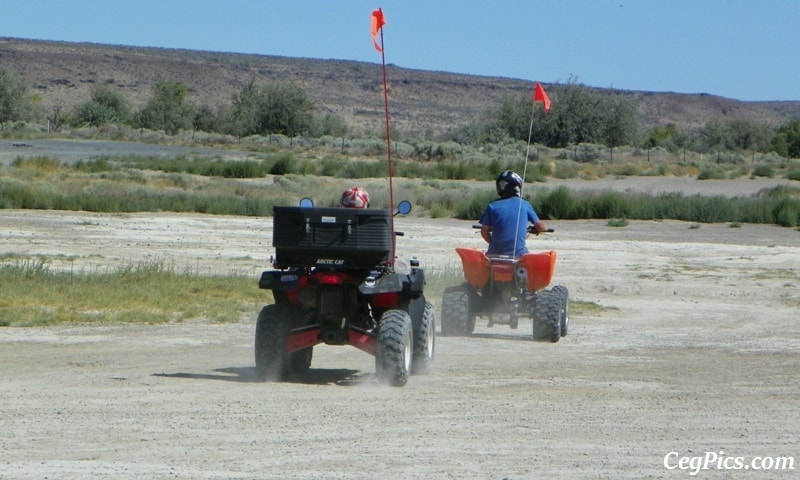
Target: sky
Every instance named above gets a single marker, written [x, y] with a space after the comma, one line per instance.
[741, 49]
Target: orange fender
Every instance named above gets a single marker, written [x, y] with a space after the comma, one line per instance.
[540, 267]
[476, 266]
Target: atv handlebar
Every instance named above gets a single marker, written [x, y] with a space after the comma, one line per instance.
[531, 229]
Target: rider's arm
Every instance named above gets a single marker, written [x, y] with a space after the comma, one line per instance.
[486, 233]
[540, 227]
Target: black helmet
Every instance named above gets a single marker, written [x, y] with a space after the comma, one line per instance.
[508, 183]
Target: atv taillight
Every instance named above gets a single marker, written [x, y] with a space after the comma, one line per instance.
[503, 272]
[331, 278]
[384, 300]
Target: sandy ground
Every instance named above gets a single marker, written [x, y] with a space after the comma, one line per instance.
[696, 349]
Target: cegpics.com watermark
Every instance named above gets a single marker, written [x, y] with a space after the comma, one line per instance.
[719, 460]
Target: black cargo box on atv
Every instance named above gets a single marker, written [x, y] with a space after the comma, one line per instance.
[331, 237]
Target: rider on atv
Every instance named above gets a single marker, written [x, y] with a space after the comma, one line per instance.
[504, 224]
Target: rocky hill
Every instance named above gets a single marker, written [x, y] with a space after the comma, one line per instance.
[420, 102]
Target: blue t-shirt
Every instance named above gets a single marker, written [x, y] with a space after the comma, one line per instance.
[508, 218]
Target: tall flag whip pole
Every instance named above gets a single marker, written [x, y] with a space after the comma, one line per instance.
[378, 21]
[539, 95]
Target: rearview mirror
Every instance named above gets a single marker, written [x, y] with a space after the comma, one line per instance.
[404, 207]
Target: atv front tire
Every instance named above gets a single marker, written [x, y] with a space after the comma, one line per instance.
[457, 320]
[423, 320]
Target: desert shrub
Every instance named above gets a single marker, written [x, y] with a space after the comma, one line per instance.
[94, 166]
[712, 209]
[438, 211]
[472, 208]
[280, 166]
[780, 192]
[617, 222]
[787, 213]
[793, 174]
[20, 194]
[588, 152]
[627, 170]
[612, 205]
[558, 204]
[565, 169]
[39, 164]
[763, 171]
[711, 173]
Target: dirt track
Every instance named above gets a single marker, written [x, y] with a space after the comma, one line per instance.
[697, 349]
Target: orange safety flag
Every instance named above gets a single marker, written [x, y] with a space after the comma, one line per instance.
[377, 22]
[540, 96]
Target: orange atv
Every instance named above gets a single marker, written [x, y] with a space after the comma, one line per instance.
[503, 289]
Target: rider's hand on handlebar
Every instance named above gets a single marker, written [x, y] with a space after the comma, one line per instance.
[539, 227]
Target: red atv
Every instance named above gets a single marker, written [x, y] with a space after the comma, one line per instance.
[335, 283]
[503, 289]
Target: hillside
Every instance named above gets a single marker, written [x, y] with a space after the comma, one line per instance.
[420, 102]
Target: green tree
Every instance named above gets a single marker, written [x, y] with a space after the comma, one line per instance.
[279, 107]
[619, 126]
[577, 116]
[734, 135]
[662, 137]
[514, 116]
[715, 136]
[15, 104]
[168, 109]
[333, 125]
[749, 135]
[243, 118]
[786, 141]
[286, 109]
[105, 106]
[205, 120]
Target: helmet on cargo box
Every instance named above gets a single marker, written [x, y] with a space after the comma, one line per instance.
[355, 197]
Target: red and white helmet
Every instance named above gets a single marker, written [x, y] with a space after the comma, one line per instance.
[355, 197]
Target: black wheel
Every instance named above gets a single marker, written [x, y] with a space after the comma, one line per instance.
[457, 320]
[395, 344]
[272, 362]
[423, 320]
[564, 294]
[547, 316]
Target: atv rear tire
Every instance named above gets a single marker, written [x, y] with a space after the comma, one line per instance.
[547, 316]
[395, 343]
[272, 362]
[457, 320]
[300, 361]
[423, 320]
[564, 293]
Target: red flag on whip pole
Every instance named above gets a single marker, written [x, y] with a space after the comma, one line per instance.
[377, 23]
[539, 95]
